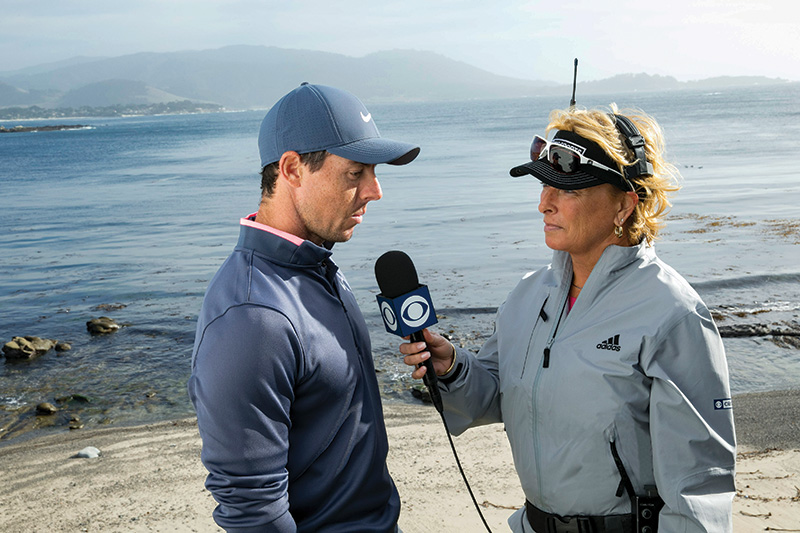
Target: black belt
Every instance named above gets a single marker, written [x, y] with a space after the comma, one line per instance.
[543, 522]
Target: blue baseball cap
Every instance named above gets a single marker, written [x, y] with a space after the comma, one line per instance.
[312, 118]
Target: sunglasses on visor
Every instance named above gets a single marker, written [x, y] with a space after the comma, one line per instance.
[564, 159]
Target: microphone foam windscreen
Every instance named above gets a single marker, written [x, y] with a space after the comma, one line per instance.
[395, 274]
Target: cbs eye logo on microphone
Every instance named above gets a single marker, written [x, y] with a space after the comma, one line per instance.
[408, 313]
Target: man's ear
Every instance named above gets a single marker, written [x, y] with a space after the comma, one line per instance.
[290, 168]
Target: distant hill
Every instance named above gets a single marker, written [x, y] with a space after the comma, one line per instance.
[113, 92]
[630, 82]
[14, 96]
[242, 77]
[646, 82]
[45, 67]
[256, 76]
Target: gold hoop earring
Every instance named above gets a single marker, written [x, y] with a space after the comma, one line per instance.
[618, 231]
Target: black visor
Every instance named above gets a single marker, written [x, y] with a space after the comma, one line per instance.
[571, 162]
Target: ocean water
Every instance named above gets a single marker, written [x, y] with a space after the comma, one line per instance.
[130, 217]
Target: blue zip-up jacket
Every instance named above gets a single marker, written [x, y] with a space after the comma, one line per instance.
[287, 401]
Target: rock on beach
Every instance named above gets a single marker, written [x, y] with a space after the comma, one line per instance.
[29, 347]
[90, 452]
[46, 408]
[102, 326]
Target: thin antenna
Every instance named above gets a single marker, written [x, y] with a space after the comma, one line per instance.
[574, 83]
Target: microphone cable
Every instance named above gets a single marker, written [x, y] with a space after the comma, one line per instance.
[440, 408]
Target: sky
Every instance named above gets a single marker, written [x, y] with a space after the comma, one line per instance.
[536, 40]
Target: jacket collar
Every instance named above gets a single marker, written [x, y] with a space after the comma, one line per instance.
[281, 249]
[614, 258]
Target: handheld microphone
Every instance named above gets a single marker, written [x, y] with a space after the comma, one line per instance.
[406, 307]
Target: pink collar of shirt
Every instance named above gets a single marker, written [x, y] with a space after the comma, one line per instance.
[249, 221]
[572, 302]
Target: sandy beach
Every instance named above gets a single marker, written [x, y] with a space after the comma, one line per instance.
[149, 478]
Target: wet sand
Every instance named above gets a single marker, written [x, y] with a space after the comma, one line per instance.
[149, 478]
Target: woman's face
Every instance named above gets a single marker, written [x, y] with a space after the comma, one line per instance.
[581, 222]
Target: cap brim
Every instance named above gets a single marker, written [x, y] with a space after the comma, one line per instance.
[547, 174]
[377, 150]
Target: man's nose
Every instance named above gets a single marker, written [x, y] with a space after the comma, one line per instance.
[372, 191]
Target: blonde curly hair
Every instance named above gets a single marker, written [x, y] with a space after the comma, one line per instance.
[598, 125]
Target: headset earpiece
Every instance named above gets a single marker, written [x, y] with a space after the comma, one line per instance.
[634, 141]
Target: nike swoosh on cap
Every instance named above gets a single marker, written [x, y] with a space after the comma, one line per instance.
[367, 117]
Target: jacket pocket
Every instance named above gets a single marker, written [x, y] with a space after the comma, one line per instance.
[541, 317]
[625, 489]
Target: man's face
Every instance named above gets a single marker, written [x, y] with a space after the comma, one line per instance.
[333, 200]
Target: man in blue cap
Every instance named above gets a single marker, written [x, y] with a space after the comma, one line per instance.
[283, 382]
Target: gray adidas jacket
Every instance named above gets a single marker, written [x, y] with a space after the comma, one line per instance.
[637, 362]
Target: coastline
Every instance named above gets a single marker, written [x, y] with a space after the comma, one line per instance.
[57, 127]
[149, 478]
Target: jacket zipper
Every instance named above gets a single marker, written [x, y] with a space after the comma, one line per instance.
[534, 411]
[552, 338]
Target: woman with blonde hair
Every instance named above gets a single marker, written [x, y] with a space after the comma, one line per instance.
[605, 367]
